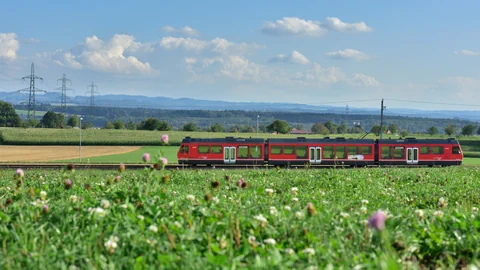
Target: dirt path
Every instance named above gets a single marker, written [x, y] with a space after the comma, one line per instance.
[49, 153]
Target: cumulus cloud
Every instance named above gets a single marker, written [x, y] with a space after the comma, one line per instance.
[217, 45]
[294, 58]
[348, 54]
[362, 80]
[293, 26]
[467, 53]
[9, 46]
[336, 24]
[187, 30]
[112, 56]
[319, 76]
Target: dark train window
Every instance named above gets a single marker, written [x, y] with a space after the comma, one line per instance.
[424, 150]
[216, 149]
[301, 151]
[288, 150]
[340, 152]
[386, 152]
[366, 150]
[276, 150]
[399, 152]
[243, 152]
[455, 150]
[184, 149]
[437, 149]
[203, 149]
[327, 152]
[255, 151]
[352, 150]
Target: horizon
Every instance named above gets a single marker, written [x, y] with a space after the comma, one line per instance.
[313, 54]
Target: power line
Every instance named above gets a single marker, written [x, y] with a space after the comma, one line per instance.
[31, 92]
[437, 103]
[13, 78]
[64, 90]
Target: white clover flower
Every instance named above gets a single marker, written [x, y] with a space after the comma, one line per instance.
[215, 200]
[177, 224]
[442, 202]
[475, 209]
[174, 193]
[288, 208]
[364, 222]
[261, 219]
[345, 215]
[438, 214]
[309, 251]
[140, 217]
[105, 204]
[363, 209]
[364, 202]
[73, 199]
[270, 241]
[252, 240]
[294, 190]
[273, 211]
[99, 212]
[269, 191]
[124, 206]
[171, 203]
[43, 195]
[290, 251]
[190, 198]
[295, 199]
[151, 242]
[37, 203]
[111, 244]
[153, 228]
[419, 213]
[299, 214]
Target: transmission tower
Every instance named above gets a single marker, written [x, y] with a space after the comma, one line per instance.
[92, 93]
[347, 110]
[31, 92]
[64, 90]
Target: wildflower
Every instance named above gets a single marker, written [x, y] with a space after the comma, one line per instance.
[151, 242]
[419, 213]
[240, 182]
[363, 209]
[45, 209]
[68, 184]
[87, 186]
[270, 241]
[309, 251]
[273, 211]
[177, 224]
[438, 214]
[299, 214]
[290, 251]
[19, 173]
[311, 210]
[117, 178]
[146, 157]
[269, 191]
[36, 203]
[419, 175]
[244, 185]
[99, 212]
[364, 202]
[295, 199]
[215, 200]
[164, 138]
[345, 215]
[111, 244]
[121, 168]
[442, 202]
[105, 204]
[288, 208]
[190, 198]
[294, 191]
[164, 161]
[124, 206]
[263, 221]
[73, 199]
[252, 241]
[140, 217]
[43, 195]
[215, 184]
[475, 209]
[377, 220]
[153, 228]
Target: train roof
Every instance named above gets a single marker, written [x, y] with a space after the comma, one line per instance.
[223, 140]
[416, 141]
[321, 140]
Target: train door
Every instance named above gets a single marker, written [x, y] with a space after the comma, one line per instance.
[315, 155]
[229, 154]
[412, 155]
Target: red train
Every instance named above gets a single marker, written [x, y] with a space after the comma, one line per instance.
[325, 151]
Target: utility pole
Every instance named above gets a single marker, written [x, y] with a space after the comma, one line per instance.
[64, 90]
[31, 92]
[348, 114]
[258, 117]
[382, 108]
[92, 93]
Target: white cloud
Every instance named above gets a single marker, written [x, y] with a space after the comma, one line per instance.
[362, 80]
[348, 54]
[468, 53]
[322, 77]
[217, 45]
[294, 58]
[337, 25]
[111, 56]
[9, 46]
[293, 26]
[187, 30]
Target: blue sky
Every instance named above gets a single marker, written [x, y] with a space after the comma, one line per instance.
[311, 52]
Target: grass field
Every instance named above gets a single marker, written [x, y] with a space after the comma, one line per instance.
[295, 219]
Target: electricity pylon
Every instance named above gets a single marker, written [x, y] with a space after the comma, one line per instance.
[64, 90]
[31, 92]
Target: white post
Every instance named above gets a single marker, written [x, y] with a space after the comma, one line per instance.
[258, 116]
[80, 146]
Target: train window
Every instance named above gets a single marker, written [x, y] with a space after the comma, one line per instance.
[328, 152]
[399, 152]
[203, 149]
[288, 150]
[437, 149]
[352, 150]
[276, 150]
[301, 151]
[243, 152]
[386, 152]
[185, 149]
[256, 151]
[216, 149]
[455, 150]
[340, 152]
[366, 150]
[424, 150]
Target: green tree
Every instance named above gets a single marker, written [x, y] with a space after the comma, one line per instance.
[217, 127]
[154, 124]
[72, 121]
[451, 130]
[331, 127]
[279, 126]
[53, 120]
[393, 128]
[404, 133]
[433, 130]
[118, 124]
[109, 125]
[8, 115]
[320, 128]
[478, 131]
[131, 125]
[375, 130]
[190, 127]
[468, 130]
[342, 129]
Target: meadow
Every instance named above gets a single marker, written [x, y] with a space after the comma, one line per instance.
[193, 219]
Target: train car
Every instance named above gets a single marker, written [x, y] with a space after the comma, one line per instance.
[326, 151]
[227, 150]
[411, 151]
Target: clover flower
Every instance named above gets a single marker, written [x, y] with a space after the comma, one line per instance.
[270, 241]
[190, 198]
[252, 241]
[364, 202]
[309, 251]
[215, 200]
[294, 191]
[438, 214]
[111, 244]
[299, 215]
[273, 211]
[153, 228]
[263, 221]
[290, 251]
[269, 191]
[164, 138]
[121, 167]
[19, 173]
[377, 220]
[117, 178]
[475, 209]
[99, 212]
[45, 209]
[146, 157]
[43, 195]
[345, 215]
[164, 161]
[73, 199]
[288, 208]
[105, 204]
[363, 209]
[140, 217]
[419, 213]
[311, 210]
[442, 202]
[177, 224]
[68, 184]
[295, 199]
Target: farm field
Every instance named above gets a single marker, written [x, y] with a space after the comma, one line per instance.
[202, 219]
